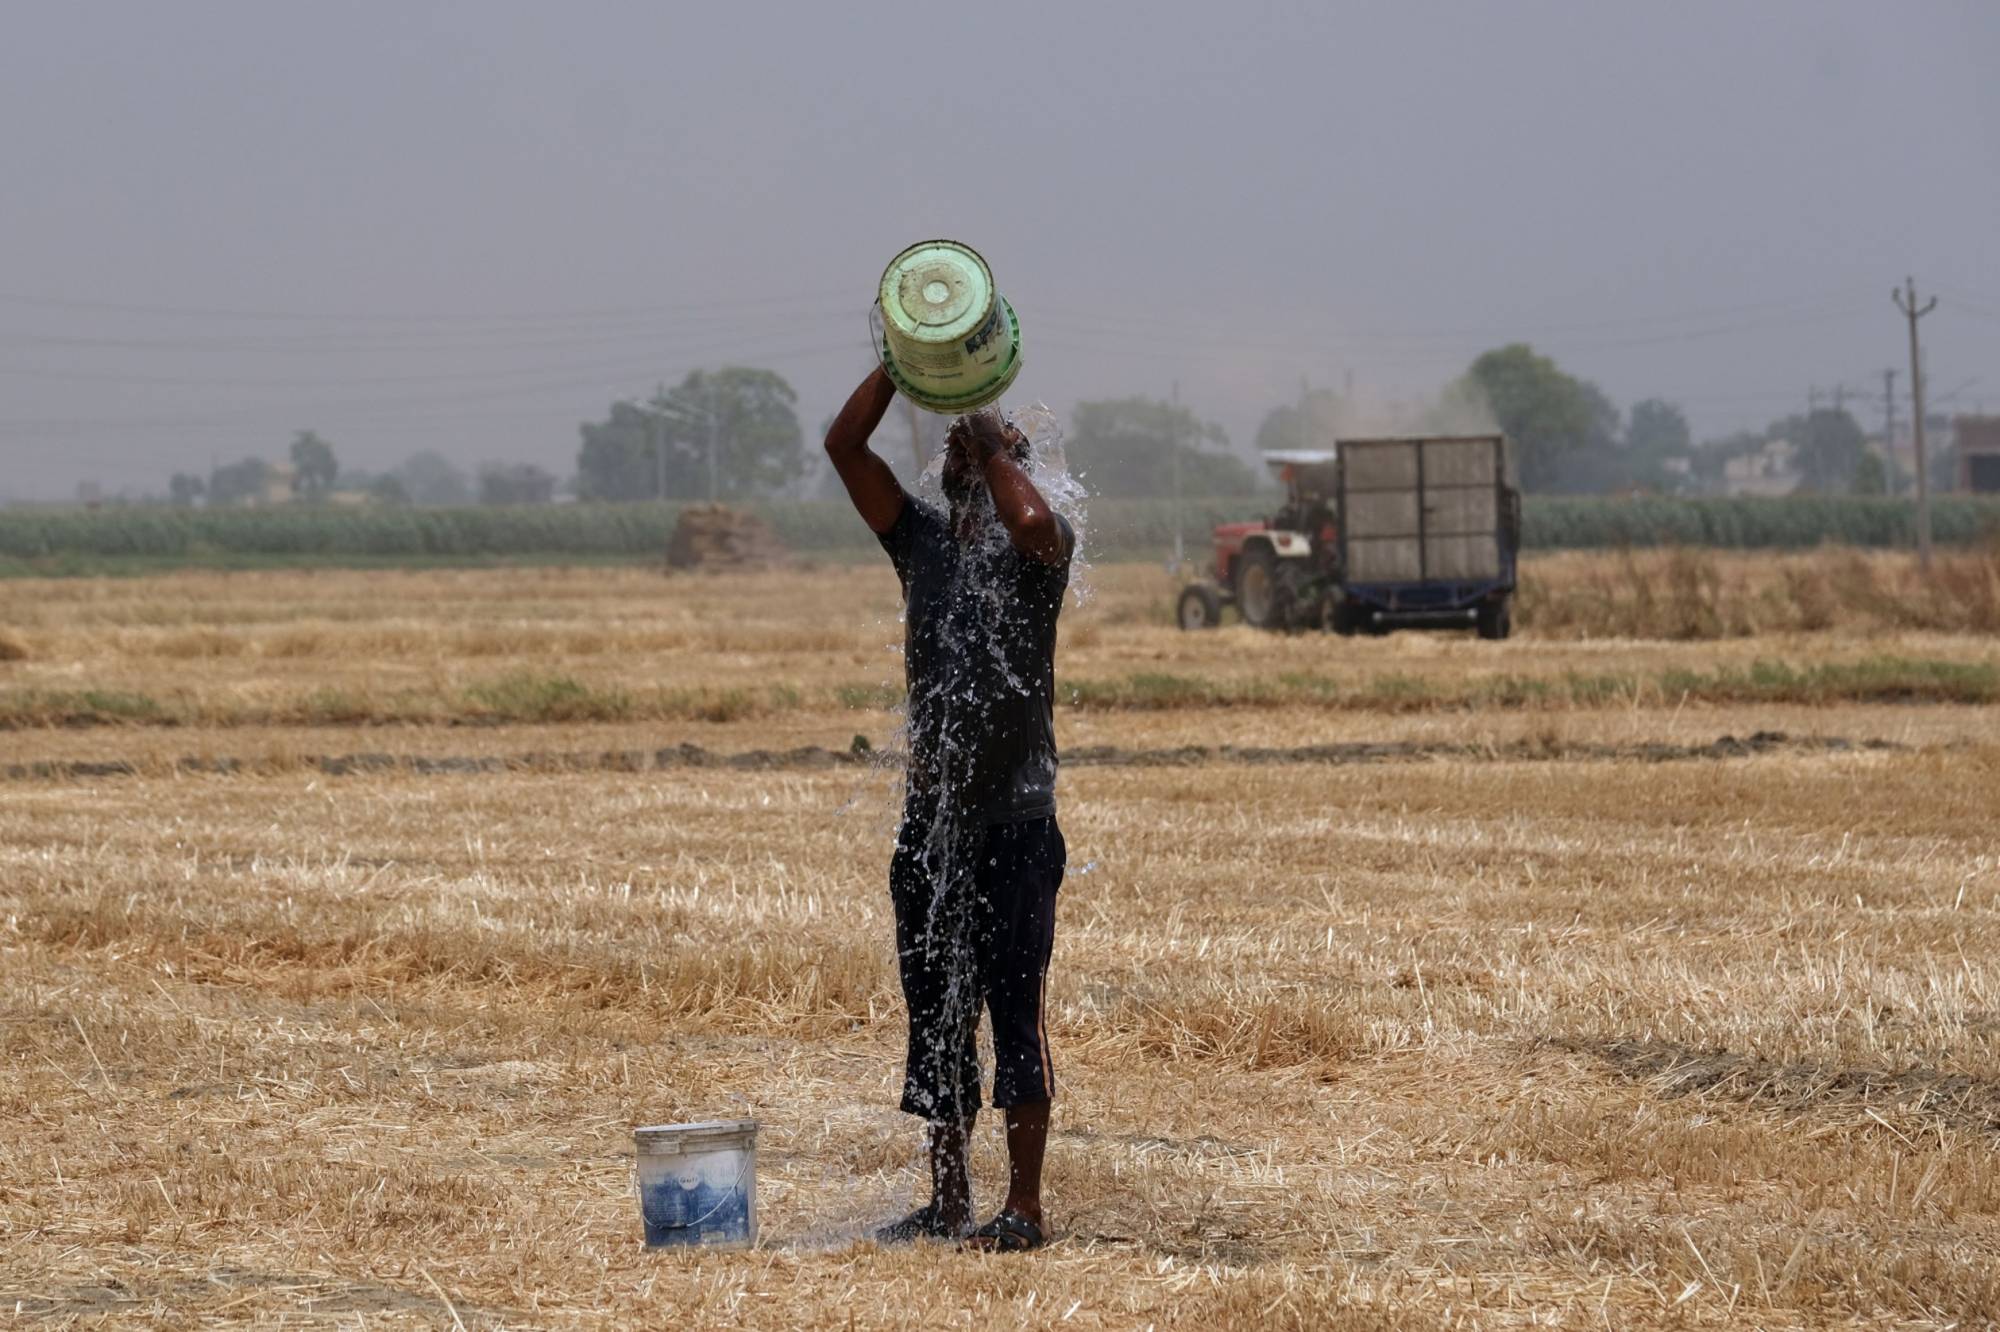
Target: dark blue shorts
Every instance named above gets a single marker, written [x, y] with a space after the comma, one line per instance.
[975, 924]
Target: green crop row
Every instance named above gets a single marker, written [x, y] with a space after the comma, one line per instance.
[1117, 528]
[533, 697]
[1553, 523]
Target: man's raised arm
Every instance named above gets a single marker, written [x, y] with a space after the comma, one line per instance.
[877, 494]
[1031, 524]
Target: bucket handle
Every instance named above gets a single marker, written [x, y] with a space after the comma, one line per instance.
[878, 336]
[727, 1194]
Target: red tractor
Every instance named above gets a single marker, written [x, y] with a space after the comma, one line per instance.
[1380, 534]
[1280, 573]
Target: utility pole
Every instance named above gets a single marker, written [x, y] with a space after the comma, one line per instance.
[1802, 447]
[1889, 426]
[708, 403]
[657, 420]
[1174, 447]
[1906, 301]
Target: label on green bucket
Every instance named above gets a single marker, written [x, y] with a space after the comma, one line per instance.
[985, 334]
[932, 362]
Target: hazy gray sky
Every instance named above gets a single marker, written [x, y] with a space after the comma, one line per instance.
[470, 226]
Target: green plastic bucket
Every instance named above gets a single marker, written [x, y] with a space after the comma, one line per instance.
[949, 339]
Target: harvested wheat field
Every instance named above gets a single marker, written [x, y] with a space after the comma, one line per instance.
[1640, 971]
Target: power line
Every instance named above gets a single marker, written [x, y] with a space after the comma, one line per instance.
[92, 377]
[335, 317]
[346, 409]
[1816, 308]
[1959, 305]
[323, 344]
[1382, 352]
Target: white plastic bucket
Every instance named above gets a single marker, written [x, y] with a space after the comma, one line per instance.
[698, 1183]
[948, 338]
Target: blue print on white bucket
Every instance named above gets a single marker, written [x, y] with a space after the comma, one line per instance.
[698, 1183]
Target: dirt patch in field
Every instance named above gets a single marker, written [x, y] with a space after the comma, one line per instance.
[810, 757]
[1728, 746]
[312, 1296]
[1958, 1099]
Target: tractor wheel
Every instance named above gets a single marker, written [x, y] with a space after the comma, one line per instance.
[1345, 618]
[1260, 593]
[1200, 607]
[1496, 619]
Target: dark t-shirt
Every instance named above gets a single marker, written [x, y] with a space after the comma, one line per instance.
[979, 660]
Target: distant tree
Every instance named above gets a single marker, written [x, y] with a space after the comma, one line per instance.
[759, 446]
[1870, 476]
[1128, 447]
[1606, 428]
[1601, 472]
[431, 478]
[1548, 415]
[1711, 458]
[388, 489]
[314, 466]
[732, 434]
[1830, 445]
[186, 488]
[619, 459]
[893, 444]
[1657, 427]
[1282, 429]
[515, 483]
[236, 482]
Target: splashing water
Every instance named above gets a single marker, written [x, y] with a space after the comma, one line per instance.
[1048, 468]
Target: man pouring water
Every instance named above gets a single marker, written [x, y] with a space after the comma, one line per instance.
[978, 856]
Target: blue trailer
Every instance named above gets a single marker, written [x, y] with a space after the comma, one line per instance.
[1428, 532]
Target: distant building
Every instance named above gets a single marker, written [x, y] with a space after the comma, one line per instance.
[1770, 471]
[1978, 453]
[1898, 455]
[280, 484]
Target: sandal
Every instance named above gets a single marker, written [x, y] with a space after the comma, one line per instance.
[1009, 1232]
[924, 1223]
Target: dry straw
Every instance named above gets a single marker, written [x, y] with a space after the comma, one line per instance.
[1480, 1039]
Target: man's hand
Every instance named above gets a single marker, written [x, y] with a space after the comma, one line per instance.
[1031, 524]
[982, 434]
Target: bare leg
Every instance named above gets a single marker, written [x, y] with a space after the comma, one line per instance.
[951, 1179]
[1027, 1138]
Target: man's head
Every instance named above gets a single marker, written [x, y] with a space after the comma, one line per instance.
[968, 442]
